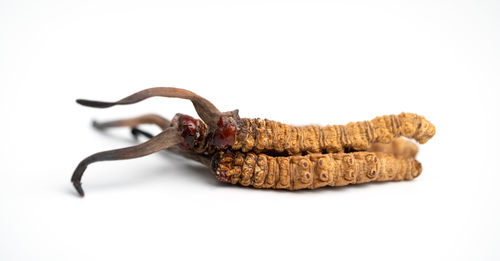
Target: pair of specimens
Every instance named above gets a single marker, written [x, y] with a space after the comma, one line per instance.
[269, 154]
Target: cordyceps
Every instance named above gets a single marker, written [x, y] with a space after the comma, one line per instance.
[270, 154]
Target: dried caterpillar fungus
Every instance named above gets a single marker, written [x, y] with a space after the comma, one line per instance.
[313, 170]
[269, 154]
[264, 135]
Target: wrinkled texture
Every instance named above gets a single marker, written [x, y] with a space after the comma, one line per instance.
[313, 170]
[259, 135]
[269, 154]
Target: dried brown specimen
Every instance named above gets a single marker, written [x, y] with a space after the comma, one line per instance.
[313, 170]
[223, 130]
[269, 136]
[272, 137]
[164, 140]
[269, 154]
[385, 162]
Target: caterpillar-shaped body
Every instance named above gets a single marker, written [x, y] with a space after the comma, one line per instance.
[271, 137]
[313, 170]
[264, 135]
[270, 154]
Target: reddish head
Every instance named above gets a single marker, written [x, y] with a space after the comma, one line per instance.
[224, 133]
[189, 130]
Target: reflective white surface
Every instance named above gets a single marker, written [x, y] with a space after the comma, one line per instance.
[302, 62]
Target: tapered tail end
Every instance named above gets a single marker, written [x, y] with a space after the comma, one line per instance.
[95, 104]
[429, 130]
[76, 179]
[78, 187]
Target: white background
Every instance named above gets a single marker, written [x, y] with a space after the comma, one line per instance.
[298, 62]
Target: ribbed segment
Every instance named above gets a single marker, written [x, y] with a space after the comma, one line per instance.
[259, 135]
[313, 170]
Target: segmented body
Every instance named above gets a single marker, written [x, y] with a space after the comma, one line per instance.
[270, 154]
[313, 170]
[264, 135]
[271, 137]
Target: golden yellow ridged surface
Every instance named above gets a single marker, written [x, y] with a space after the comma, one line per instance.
[259, 135]
[313, 170]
